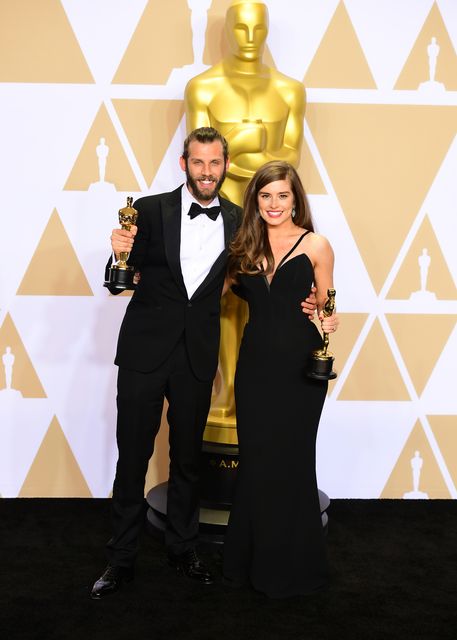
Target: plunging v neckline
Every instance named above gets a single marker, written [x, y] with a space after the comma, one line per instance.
[284, 260]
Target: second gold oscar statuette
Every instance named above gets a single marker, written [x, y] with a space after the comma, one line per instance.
[321, 360]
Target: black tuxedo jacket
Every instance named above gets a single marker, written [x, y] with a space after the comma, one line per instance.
[160, 311]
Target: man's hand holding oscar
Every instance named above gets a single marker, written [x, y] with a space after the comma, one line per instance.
[122, 240]
[120, 276]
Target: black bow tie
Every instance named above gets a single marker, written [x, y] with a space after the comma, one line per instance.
[195, 210]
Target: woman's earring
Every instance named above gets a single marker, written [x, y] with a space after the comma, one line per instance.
[293, 212]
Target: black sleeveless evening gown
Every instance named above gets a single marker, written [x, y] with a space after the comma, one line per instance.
[275, 538]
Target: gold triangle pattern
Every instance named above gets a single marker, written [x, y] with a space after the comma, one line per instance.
[424, 270]
[309, 173]
[445, 431]
[342, 342]
[426, 62]
[421, 340]
[374, 375]
[102, 145]
[391, 156]
[34, 49]
[340, 61]
[149, 126]
[54, 269]
[152, 52]
[416, 472]
[16, 369]
[55, 472]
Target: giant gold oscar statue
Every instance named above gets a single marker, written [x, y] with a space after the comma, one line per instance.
[260, 112]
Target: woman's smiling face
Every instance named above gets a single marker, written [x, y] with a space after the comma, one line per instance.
[275, 202]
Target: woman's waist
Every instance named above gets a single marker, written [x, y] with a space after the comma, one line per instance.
[264, 336]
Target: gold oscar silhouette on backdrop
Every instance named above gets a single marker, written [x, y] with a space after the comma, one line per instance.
[260, 112]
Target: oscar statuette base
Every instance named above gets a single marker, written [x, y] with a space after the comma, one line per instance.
[321, 368]
[121, 279]
[317, 376]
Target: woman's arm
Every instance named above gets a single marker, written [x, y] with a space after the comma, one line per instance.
[323, 259]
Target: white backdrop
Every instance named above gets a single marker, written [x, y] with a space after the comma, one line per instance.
[379, 162]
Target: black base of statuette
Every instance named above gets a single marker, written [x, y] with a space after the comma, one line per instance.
[121, 279]
[317, 376]
[321, 369]
[213, 522]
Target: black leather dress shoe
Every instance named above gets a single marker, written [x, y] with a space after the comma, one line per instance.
[111, 581]
[190, 565]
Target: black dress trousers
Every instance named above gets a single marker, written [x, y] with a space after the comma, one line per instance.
[140, 403]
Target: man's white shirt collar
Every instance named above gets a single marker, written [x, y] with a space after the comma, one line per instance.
[202, 241]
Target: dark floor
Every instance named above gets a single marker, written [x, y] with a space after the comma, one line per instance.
[394, 575]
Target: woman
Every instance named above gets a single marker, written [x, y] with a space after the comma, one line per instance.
[275, 539]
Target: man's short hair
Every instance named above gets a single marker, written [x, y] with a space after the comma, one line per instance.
[204, 135]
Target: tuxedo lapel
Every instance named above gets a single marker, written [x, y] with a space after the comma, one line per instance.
[230, 220]
[171, 220]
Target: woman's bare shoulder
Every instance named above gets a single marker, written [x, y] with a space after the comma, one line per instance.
[318, 242]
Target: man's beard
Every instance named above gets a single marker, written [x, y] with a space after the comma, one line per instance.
[200, 195]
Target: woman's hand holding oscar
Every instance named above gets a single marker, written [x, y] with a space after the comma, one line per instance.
[321, 361]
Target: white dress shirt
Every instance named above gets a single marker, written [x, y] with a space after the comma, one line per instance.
[202, 241]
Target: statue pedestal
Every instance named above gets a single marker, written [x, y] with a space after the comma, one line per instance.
[181, 75]
[423, 296]
[432, 86]
[213, 521]
[102, 187]
[218, 467]
[415, 495]
[10, 393]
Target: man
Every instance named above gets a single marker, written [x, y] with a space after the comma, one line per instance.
[168, 348]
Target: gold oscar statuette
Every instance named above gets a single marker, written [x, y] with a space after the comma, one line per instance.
[321, 361]
[120, 274]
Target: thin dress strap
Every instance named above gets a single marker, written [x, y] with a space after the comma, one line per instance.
[284, 258]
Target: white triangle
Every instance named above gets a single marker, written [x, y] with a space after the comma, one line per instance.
[387, 31]
[104, 29]
[42, 149]
[25, 422]
[448, 10]
[439, 396]
[43, 136]
[170, 175]
[380, 430]
[330, 221]
[440, 204]
[75, 366]
[354, 290]
[89, 218]
[16, 261]
[303, 34]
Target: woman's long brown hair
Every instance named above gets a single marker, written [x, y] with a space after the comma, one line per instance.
[250, 245]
